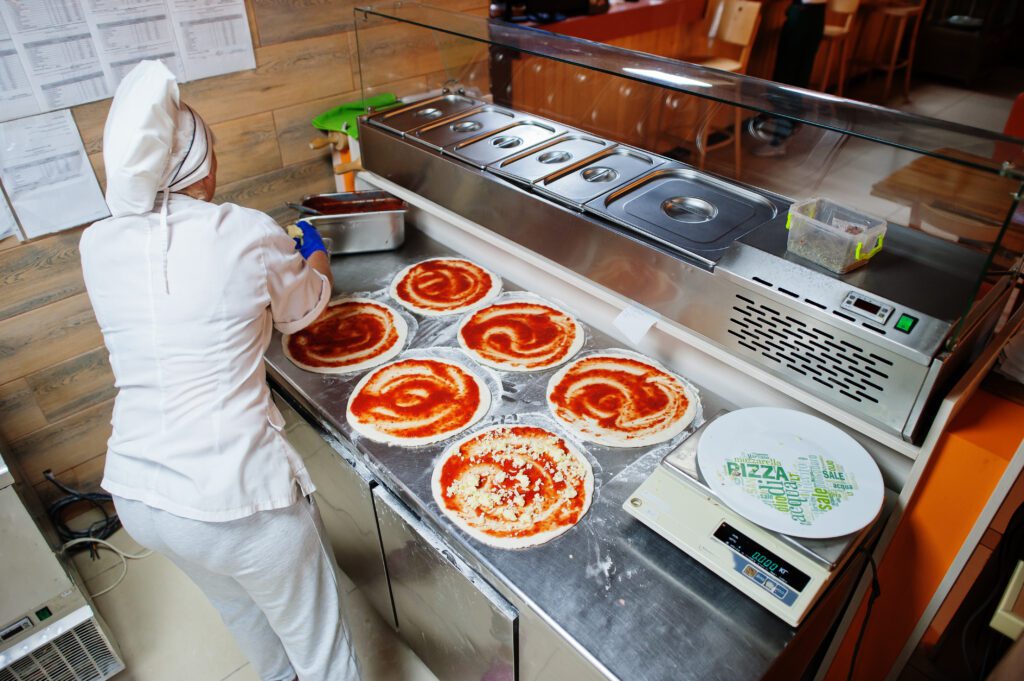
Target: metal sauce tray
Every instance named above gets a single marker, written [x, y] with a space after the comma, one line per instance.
[686, 210]
[491, 148]
[535, 164]
[469, 125]
[360, 232]
[598, 175]
[421, 113]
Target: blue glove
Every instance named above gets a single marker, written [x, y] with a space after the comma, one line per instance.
[310, 242]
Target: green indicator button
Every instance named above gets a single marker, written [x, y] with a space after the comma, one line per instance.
[905, 323]
[43, 614]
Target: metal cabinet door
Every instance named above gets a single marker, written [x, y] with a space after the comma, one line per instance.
[452, 619]
[343, 495]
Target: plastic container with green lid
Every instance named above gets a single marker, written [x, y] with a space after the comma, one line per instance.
[838, 238]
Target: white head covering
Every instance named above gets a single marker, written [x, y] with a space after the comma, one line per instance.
[152, 142]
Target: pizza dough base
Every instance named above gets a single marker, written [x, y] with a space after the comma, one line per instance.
[508, 542]
[488, 297]
[613, 438]
[401, 327]
[576, 346]
[370, 432]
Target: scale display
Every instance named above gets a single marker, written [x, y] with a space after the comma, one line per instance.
[762, 557]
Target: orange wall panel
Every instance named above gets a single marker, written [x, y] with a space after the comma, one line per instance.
[961, 476]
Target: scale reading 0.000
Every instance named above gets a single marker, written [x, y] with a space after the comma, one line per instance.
[764, 561]
[785, 572]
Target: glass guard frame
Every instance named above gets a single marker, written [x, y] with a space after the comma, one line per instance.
[928, 136]
[982, 152]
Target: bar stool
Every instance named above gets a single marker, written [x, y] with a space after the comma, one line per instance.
[837, 38]
[733, 23]
[897, 18]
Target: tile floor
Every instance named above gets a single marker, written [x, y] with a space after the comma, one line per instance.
[167, 630]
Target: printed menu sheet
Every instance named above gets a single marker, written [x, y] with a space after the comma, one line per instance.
[7, 224]
[16, 95]
[47, 174]
[56, 54]
[213, 36]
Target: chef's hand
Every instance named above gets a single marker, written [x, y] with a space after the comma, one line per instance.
[310, 242]
[311, 246]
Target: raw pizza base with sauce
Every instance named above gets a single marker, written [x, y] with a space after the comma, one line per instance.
[417, 401]
[444, 286]
[513, 486]
[520, 335]
[620, 400]
[351, 334]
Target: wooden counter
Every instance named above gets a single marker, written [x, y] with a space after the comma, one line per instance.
[625, 20]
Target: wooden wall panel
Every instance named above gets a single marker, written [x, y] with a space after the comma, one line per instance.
[40, 273]
[73, 385]
[66, 443]
[37, 339]
[269, 192]
[283, 20]
[19, 413]
[246, 147]
[284, 75]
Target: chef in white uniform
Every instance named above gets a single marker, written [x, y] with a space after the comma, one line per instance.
[186, 293]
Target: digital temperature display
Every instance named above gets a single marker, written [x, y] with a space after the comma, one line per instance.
[868, 306]
[762, 557]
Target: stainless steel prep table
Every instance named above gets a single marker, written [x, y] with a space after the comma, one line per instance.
[611, 588]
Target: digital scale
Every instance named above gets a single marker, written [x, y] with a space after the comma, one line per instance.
[785, 574]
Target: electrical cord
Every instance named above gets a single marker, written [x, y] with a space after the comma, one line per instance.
[876, 591]
[96, 534]
[124, 556]
[101, 529]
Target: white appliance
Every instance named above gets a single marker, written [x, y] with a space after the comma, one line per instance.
[48, 626]
[784, 574]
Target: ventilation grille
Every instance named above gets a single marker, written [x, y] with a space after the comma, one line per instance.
[795, 346]
[81, 654]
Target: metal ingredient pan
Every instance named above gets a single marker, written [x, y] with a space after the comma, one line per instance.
[359, 232]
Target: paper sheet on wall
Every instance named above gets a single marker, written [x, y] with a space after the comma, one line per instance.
[213, 36]
[47, 175]
[8, 226]
[16, 96]
[56, 54]
[57, 51]
[128, 31]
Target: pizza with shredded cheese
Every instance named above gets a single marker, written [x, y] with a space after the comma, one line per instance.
[520, 335]
[620, 400]
[351, 334]
[417, 401]
[513, 486]
[442, 286]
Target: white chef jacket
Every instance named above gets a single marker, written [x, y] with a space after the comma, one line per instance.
[195, 432]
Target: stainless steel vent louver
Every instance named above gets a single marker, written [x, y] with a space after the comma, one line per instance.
[81, 654]
[845, 369]
[836, 364]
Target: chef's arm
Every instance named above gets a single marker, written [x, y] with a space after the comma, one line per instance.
[321, 262]
[312, 248]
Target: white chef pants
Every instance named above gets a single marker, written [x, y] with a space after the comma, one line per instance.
[271, 577]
